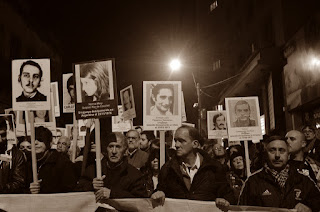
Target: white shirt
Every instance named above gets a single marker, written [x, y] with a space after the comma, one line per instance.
[194, 169]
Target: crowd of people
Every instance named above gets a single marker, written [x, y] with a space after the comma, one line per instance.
[284, 171]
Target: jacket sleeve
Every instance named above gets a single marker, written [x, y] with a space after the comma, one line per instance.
[162, 179]
[17, 183]
[137, 189]
[246, 197]
[85, 181]
[224, 189]
[313, 191]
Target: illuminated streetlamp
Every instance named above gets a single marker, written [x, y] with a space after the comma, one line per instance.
[175, 65]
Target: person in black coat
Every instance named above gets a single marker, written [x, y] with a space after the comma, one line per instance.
[192, 174]
[120, 179]
[56, 173]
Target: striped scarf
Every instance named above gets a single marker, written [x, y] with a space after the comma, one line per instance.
[280, 177]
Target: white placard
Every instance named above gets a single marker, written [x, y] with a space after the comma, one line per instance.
[68, 93]
[127, 102]
[31, 84]
[243, 118]
[55, 98]
[161, 105]
[217, 124]
[118, 122]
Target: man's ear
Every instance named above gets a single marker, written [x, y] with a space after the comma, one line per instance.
[195, 143]
[153, 98]
[19, 78]
[304, 144]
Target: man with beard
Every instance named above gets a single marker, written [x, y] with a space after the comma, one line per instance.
[55, 171]
[192, 174]
[278, 184]
[219, 122]
[30, 78]
[12, 164]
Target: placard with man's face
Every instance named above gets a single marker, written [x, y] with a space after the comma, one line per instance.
[31, 84]
[68, 93]
[243, 118]
[161, 105]
[217, 124]
[127, 102]
[55, 98]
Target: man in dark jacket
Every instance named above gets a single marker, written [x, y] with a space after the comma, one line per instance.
[56, 173]
[192, 174]
[280, 185]
[12, 164]
[120, 179]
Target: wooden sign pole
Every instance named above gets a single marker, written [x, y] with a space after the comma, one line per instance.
[162, 148]
[98, 147]
[246, 148]
[75, 138]
[33, 148]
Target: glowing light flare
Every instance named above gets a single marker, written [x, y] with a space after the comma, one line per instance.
[315, 61]
[175, 65]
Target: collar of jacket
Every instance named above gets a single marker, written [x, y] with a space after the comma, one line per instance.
[205, 161]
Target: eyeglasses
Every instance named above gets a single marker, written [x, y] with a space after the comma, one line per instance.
[133, 138]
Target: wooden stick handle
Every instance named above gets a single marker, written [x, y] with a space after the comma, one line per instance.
[75, 138]
[33, 148]
[162, 148]
[98, 147]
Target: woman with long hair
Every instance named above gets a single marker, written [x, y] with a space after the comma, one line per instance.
[95, 81]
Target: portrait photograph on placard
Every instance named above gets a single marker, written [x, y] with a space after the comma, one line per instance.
[217, 124]
[21, 124]
[55, 98]
[31, 84]
[95, 86]
[243, 118]
[119, 124]
[13, 113]
[127, 102]
[68, 93]
[161, 105]
[45, 118]
[7, 119]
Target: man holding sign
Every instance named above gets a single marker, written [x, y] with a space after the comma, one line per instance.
[12, 164]
[120, 179]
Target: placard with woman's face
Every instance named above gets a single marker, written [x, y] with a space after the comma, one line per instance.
[127, 102]
[95, 86]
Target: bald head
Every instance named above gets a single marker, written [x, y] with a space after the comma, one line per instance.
[296, 141]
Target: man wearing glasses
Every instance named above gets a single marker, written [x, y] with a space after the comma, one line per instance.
[136, 157]
[12, 164]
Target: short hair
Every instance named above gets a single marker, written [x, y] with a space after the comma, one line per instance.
[156, 89]
[310, 127]
[132, 130]
[70, 82]
[241, 102]
[149, 134]
[66, 138]
[44, 135]
[193, 133]
[214, 119]
[32, 63]
[98, 71]
[275, 137]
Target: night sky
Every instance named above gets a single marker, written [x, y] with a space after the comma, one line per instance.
[142, 36]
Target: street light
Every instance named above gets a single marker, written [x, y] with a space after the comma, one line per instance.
[175, 65]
